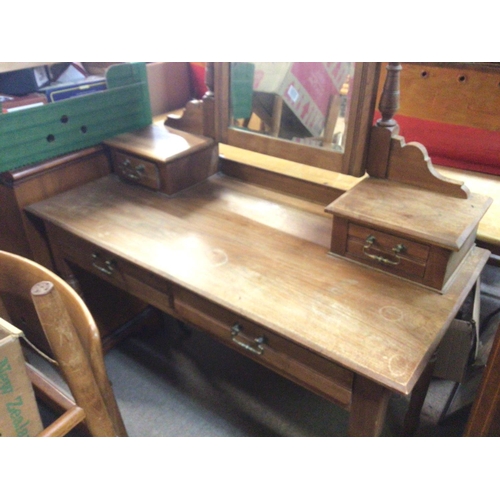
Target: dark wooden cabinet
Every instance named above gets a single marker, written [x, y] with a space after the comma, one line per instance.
[21, 187]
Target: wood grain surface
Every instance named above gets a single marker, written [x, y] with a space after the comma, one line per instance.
[158, 142]
[413, 212]
[264, 255]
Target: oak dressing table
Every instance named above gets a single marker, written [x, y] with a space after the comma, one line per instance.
[252, 267]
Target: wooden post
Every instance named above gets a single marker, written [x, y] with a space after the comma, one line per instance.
[381, 136]
[389, 100]
[209, 120]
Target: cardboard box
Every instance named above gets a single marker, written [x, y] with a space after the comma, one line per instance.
[98, 68]
[454, 352]
[169, 86]
[305, 87]
[23, 81]
[458, 349]
[59, 91]
[19, 415]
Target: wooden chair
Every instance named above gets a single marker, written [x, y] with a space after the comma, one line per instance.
[56, 319]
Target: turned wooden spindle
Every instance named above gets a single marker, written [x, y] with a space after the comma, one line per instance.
[209, 79]
[389, 100]
[209, 120]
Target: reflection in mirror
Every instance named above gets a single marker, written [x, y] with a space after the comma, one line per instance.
[343, 133]
[303, 102]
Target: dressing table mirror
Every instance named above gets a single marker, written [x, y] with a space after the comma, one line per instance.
[318, 114]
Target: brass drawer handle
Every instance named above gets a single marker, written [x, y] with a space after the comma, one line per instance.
[397, 250]
[133, 173]
[108, 267]
[258, 348]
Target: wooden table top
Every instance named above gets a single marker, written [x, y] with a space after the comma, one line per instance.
[264, 255]
[489, 227]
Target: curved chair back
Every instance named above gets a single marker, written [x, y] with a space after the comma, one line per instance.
[32, 296]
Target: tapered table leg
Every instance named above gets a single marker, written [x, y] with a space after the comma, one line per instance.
[368, 408]
[412, 417]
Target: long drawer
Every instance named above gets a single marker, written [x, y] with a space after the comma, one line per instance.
[268, 348]
[117, 271]
[283, 356]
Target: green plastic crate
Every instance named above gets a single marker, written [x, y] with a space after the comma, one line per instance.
[242, 75]
[43, 132]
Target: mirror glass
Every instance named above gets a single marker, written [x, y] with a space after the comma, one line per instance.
[302, 102]
[315, 114]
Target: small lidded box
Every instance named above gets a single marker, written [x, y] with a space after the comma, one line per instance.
[162, 158]
[408, 231]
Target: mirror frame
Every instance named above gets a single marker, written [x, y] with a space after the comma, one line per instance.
[360, 121]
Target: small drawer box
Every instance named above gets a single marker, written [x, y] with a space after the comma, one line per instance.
[163, 159]
[383, 249]
[418, 235]
[135, 169]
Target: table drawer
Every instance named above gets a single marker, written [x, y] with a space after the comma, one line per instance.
[281, 355]
[387, 251]
[136, 170]
[117, 271]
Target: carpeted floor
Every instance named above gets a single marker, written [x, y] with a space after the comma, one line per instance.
[176, 381]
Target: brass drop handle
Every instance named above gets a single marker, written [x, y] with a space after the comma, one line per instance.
[397, 250]
[130, 172]
[108, 266]
[259, 342]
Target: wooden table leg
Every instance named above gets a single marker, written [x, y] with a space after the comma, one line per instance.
[412, 417]
[368, 408]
